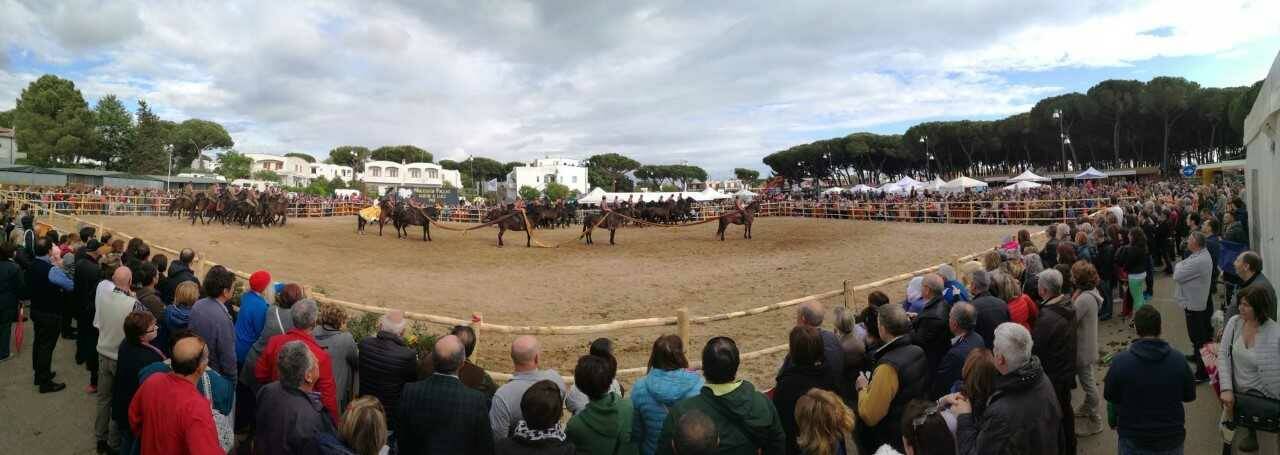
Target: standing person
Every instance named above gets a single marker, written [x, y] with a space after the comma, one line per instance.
[1248, 267]
[1104, 262]
[88, 275]
[1085, 301]
[806, 372]
[1055, 345]
[364, 427]
[331, 334]
[1193, 280]
[46, 282]
[177, 317]
[12, 286]
[167, 412]
[145, 277]
[290, 419]
[473, 376]
[304, 315]
[540, 432]
[1015, 418]
[526, 359]
[212, 321]
[927, 428]
[823, 422]
[113, 308]
[989, 310]
[901, 375]
[605, 424]
[929, 329]
[948, 375]
[746, 420]
[279, 320]
[812, 314]
[136, 352]
[387, 364]
[179, 272]
[1134, 257]
[1145, 389]
[441, 415]
[252, 315]
[668, 381]
[1248, 358]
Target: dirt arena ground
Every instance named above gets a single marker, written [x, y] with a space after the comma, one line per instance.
[651, 272]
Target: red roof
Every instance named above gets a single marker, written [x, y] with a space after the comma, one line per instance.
[6, 132]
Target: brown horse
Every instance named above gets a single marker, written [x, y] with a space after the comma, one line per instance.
[744, 217]
[515, 222]
[611, 222]
[411, 215]
[180, 204]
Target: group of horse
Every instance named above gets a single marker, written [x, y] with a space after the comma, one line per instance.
[402, 214]
[264, 210]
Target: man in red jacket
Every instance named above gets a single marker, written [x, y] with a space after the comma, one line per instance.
[168, 414]
[304, 316]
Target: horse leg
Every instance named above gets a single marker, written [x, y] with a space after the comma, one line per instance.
[528, 238]
[380, 224]
[501, 230]
[611, 233]
[720, 230]
[426, 231]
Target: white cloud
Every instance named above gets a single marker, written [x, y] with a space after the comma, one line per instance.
[663, 81]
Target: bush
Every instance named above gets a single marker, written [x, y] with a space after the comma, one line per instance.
[364, 326]
[529, 193]
[556, 191]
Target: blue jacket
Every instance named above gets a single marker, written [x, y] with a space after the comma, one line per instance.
[249, 321]
[952, 364]
[954, 291]
[1146, 387]
[652, 395]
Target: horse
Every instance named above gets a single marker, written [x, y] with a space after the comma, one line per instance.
[744, 217]
[200, 207]
[611, 222]
[514, 222]
[412, 215]
[387, 211]
[180, 204]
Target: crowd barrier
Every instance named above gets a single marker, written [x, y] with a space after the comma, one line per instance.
[682, 319]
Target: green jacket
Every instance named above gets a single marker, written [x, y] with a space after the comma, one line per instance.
[745, 419]
[604, 427]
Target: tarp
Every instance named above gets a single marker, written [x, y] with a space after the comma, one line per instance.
[935, 184]
[908, 182]
[833, 190]
[962, 183]
[1022, 186]
[1090, 174]
[860, 188]
[710, 194]
[893, 188]
[1028, 176]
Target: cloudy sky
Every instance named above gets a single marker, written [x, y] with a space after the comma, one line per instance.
[716, 84]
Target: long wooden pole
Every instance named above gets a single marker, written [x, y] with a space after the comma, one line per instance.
[682, 327]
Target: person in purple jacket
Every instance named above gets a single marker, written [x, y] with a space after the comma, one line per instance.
[211, 319]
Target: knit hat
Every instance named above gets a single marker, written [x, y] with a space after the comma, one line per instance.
[259, 280]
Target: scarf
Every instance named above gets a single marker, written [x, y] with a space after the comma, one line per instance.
[528, 436]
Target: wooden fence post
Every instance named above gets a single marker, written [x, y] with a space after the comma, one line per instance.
[848, 295]
[475, 327]
[682, 325]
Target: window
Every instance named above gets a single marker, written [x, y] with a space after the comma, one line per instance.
[433, 174]
[415, 173]
[575, 179]
[536, 179]
[393, 172]
[377, 172]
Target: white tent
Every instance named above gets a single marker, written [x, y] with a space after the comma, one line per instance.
[1262, 183]
[935, 184]
[1028, 176]
[1022, 186]
[908, 183]
[833, 190]
[962, 183]
[596, 195]
[892, 188]
[745, 194]
[1091, 174]
[860, 188]
[592, 197]
[710, 194]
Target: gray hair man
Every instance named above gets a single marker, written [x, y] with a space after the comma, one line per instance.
[387, 363]
[989, 310]
[948, 375]
[930, 330]
[287, 417]
[303, 316]
[901, 375]
[525, 357]
[1055, 345]
[812, 314]
[1248, 267]
[1193, 281]
[1019, 421]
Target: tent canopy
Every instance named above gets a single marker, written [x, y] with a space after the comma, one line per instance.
[935, 184]
[1028, 176]
[962, 183]
[1091, 173]
[907, 183]
[832, 190]
[860, 188]
[1022, 186]
[597, 194]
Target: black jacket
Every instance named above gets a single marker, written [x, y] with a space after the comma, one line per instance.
[87, 276]
[1104, 260]
[290, 421]
[1148, 384]
[1054, 337]
[178, 274]
[130, 360]
[989, 312]
[792, 385]
[517, 446]
[1049, 255]
[45, 296]
[832, 358]
[1021, 417]
[386, 365]
[948, 372]
[931, 331]
[12, 288]
[911, 366]
[440, 415]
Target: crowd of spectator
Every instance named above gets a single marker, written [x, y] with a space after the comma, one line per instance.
[964, 365]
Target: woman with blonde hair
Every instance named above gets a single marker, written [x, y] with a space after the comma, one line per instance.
[364, 427]
[331, 335]
[822, 422]
[177, 316]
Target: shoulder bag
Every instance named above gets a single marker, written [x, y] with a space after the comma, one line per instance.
[223, 423]
[1252, 409]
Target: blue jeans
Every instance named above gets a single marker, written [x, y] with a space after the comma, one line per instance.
[1104, 311]
[1127, 447]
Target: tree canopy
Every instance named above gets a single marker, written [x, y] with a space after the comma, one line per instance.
[113, 132]
[302, 156]
[149, 154]
[747, 176]
[234, 165]
[194, 137]
[1117, 123]
[401, 154]
[54, 124]
[609, 171]
[352, 156]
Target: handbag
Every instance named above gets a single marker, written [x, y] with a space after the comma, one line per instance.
[1252, 409]
[223, 423]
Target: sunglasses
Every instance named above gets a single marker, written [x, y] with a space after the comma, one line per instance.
[929, 412]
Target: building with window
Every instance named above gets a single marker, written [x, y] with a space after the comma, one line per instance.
[293, 171]
[570, 173]
[331, 171]
[422, 178]
[9, 147]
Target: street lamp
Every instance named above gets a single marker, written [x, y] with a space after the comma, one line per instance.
[1062, 134]
[928, 163]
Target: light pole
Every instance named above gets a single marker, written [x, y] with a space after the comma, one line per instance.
[928, 156]
[1062, 136]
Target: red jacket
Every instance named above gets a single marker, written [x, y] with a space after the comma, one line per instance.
[1024, 311]
[265, 371]
[171, 417]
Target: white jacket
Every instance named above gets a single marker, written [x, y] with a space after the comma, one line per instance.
[1193, 277]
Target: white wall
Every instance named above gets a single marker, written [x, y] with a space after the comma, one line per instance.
[411, 174]
[8, 150]
[329, 171]
[1262, 132]
[565, 172]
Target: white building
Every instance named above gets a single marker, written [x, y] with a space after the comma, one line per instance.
[421, 177]
[330, 171]
[1262, 188]
[570, 173]
[293, 171]
[9, 147]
